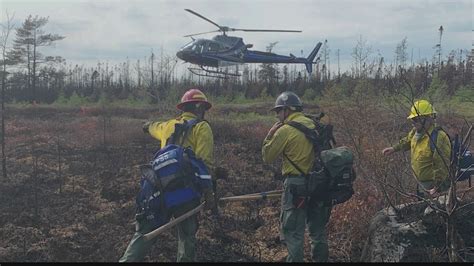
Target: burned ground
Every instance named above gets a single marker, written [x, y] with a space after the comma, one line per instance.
[73, 177]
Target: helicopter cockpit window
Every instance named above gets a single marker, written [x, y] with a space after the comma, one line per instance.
[213, 47]
[197, 48]
[187, 46]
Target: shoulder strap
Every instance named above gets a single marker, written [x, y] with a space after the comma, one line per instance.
[294, 165]
[434, 140]
[434, 137]
[310, 134]
[181, 131]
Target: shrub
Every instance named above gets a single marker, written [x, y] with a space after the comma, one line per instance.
[437, 90]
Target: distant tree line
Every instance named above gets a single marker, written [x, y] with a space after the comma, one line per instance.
[30, 76]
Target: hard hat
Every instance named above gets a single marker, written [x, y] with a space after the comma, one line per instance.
[194, 96]
[287, 99]
[421, 107]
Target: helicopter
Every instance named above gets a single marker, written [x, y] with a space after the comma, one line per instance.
[211, 55]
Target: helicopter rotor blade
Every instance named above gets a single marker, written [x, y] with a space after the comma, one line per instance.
[225, 28]
[255, 30]
[208, 20]
[189, 35]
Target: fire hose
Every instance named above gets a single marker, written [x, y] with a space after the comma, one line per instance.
[247, 197]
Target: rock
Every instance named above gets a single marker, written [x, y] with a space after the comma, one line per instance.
[417, 233]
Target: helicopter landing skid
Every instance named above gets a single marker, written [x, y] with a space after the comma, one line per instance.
[204, 72]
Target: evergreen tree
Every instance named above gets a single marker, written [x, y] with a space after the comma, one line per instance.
[29, 37]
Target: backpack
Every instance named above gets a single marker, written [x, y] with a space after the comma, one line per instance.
[460, 156]
[324, 137]
[173, 178]
[332, 175]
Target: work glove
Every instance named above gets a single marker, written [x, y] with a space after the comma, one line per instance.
[145, 127]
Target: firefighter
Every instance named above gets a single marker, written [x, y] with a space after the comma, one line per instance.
[430, 167]
[193, 105]
[297, 210]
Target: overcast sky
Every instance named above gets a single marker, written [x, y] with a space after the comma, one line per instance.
[106, 30]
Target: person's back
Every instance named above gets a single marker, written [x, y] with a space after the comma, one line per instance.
[297, 210]
[199, 138]
[292, 143]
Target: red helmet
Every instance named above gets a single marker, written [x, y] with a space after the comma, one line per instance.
[194, 96]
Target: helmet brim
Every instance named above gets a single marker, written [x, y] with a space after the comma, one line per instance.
[180, 106]
[291, 107]
[277, 106]
[411, 116]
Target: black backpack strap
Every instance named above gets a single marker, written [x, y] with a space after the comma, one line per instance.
[189, 125]
[181, 131]
[310, 135]
[294, 165]
[434, 137]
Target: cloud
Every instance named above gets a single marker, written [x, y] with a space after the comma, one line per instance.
[106, 29]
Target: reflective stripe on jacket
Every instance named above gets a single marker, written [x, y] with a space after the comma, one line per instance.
[200, 139]
[427, 165]
[293, 143]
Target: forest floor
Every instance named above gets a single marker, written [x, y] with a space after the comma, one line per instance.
[73, 177]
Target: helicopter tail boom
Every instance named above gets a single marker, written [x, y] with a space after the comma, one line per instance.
[310, 59]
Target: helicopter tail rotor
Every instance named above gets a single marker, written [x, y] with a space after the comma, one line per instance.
[309, 63]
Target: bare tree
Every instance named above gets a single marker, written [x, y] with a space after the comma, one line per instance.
[439, 46]
[152, 82]
[361, 53]
[325, 54]
[401, 54]
[5, 61]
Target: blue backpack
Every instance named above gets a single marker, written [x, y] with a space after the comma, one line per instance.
[174, 177]
[460, 157]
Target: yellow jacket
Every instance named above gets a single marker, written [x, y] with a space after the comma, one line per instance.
[293, 143]
[427, 165]
[200, 139]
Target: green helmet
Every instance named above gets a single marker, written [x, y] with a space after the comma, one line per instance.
[288, 99]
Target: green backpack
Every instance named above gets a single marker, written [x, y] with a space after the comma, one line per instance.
[332, 175]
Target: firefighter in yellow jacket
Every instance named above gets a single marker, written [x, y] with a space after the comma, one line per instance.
[430, 166]
[194, 104]
[296, 213]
